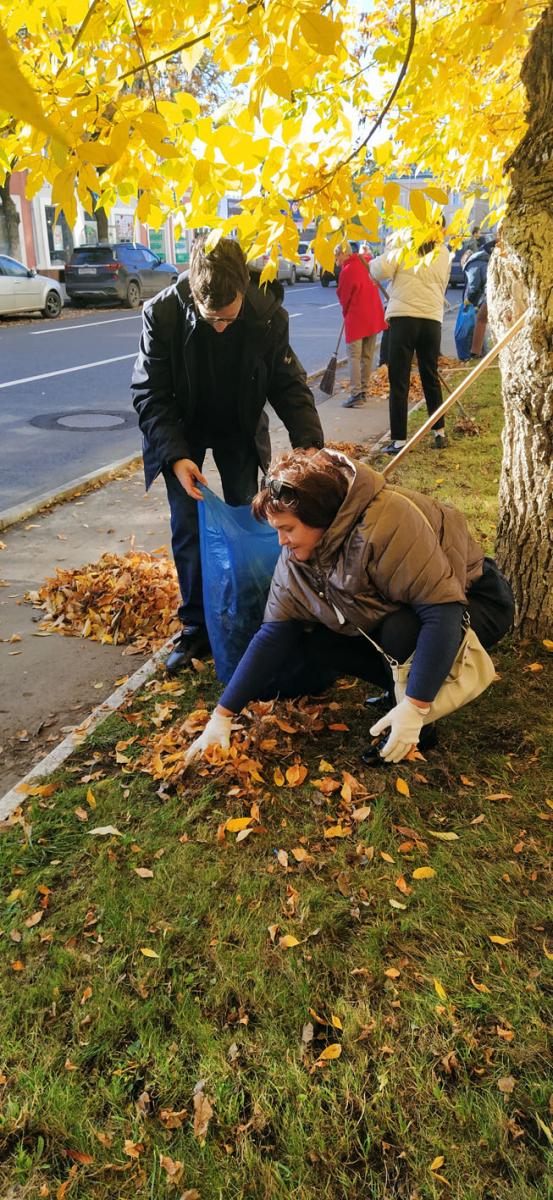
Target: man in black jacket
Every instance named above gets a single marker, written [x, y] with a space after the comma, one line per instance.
[476, 271]
[194, 390]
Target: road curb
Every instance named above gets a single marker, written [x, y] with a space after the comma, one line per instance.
[12, 799]
[22, 512]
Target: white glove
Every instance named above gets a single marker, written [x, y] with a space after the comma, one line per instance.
[216, 733]
[406, 721]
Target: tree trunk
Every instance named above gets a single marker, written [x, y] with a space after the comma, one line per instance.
[102, 224]
[11, 219]
[521, 276]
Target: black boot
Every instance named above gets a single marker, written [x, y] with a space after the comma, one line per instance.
[193, 642]
[371, 757]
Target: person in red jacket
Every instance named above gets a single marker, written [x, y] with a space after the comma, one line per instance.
[363, 319]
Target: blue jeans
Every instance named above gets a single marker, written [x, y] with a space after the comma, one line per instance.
[238, 466]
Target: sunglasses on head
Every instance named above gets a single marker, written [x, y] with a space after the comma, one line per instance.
[279, 489]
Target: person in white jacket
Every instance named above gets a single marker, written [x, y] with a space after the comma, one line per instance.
[414, 314]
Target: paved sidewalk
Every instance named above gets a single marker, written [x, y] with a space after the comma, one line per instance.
[50, 684]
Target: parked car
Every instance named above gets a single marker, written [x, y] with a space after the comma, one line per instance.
[287, 271]
[457, 277]
[123, 271]
[308, 267]
[22, 290]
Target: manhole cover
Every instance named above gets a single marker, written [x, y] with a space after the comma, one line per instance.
[84, 419]
[91, 421]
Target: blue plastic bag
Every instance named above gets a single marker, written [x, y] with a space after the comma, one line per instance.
[464, 329]
[238, 557]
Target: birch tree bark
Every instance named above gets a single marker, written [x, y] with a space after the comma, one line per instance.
[521, 276]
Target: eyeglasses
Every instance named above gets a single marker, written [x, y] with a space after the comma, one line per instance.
[220, 320]
[279, 489]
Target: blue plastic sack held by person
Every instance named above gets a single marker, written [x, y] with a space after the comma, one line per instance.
[464, 329]
[238, 558]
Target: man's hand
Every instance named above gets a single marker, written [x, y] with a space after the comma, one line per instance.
[187, 473]
[405, 722]
[216, 733]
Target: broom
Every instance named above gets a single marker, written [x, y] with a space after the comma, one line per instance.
[329, 378]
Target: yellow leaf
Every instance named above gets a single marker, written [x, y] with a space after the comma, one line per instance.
[236, 823]
[34, 920]
[325, 766]
[279, 777]
[424, 873]
[480, 987]
[145, 950]
[548, 953]
[336, 831]
[500, 941]
[301, 855]
[444, 837]
[333, 1051]
[438, 1162]
[336, 1021]
[143, 872]
[437, 194]
[90, 798]
[320, 32]
[418, 204]
[440, 990]
[402, 787]
[17, 96]
[361, 814]
[548, 644]
[287, 941]
[296, 774]
[392, 973]
[278, 80]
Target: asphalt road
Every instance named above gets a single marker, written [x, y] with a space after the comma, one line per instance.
[64, 389]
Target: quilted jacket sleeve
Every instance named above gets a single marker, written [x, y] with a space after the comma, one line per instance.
[404, 558]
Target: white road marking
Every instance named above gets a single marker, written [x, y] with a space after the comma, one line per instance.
[86, 325]
[101, 362]
[335, 305]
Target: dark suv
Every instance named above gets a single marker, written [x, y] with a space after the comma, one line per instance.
[125, 271]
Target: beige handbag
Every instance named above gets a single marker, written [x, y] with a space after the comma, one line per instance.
[471, 673]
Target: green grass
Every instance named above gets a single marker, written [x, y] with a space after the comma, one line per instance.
[93, 1072]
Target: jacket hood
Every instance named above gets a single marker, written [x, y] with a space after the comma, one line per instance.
[364, 484]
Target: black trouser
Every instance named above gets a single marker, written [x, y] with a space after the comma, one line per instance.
[410, 335]
[324, 653]
[238, 466]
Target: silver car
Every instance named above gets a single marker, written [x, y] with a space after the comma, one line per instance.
[286, 273]
[22, 290]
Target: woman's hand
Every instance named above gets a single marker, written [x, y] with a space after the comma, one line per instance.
[216, 733]
[405, 722]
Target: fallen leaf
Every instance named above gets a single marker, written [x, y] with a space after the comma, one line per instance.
[90, 796]
[402, 787]
[287, 941]
[301, 855]
[336, 1022]
[77, 1155]
[326, 766]
[403, 886]
[190, 1194]
[330, 1052]
[506, 1034]
[336, 831]
[203, 1113]
[81, 814]
[500, 941]
[467, 782]
[104, 831]
[34, 920]
[143, 872]
[273, 930]
[440, 990]
[387, 857]
[392, 973]
[438, 1162]
[296, 774]
[339, 727]
[235, 824]
[278, 777]
[243, 834]
[132, 1149]
[548, 644]
[444, 837]
[361, 814]
[424, 873]
[480, 987]
[534, 667]
[282, 858]
[64, 1187]
[326, 786]
[86, 995]
[307, 1033]
[17, 965]
[145, 950]
[548, 953]
[500, 796]
[396, 904]
[478, 820]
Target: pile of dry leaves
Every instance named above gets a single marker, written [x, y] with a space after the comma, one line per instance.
[129, 598]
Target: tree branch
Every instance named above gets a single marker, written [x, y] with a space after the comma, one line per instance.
[145, 64]
[401, 76]
[202, 37]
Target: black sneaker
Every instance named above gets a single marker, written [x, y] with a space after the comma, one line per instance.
[391, 448]
[440, 441]
[193, 642]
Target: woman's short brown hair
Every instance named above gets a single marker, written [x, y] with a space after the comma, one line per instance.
[312, 487]
[217, 277]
